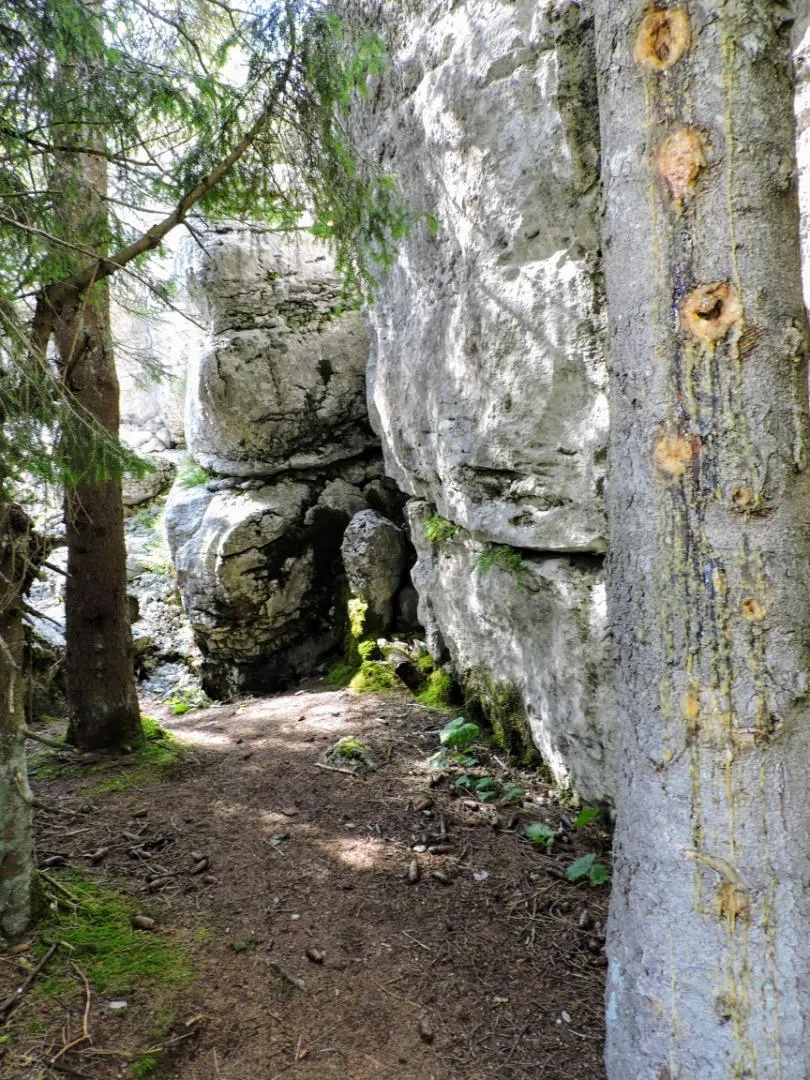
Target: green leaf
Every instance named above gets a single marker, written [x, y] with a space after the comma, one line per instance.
[598, 874]
[539, 833]
[585, 817]
[485, 783]
[459, 733]
[581, 867]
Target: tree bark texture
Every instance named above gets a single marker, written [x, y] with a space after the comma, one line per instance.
[16, 850]
[709, 934]
[102, 701]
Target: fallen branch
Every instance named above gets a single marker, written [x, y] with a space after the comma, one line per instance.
[85, 1035]
[10, 1002]
[48, 742]
[334, 768]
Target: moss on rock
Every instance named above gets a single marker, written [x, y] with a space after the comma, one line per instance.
[500, 706]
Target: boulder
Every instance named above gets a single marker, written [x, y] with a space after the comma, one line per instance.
[259, 583]
[373, 552]
[136, 490]
[280, 384]
[488, 381]
[531, 630]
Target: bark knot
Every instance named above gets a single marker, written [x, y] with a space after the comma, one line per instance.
[662, 39]
[710, 311]
[678, 162]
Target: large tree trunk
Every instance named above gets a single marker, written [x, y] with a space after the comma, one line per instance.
[17, 564]
[709, 572]
[102, 701]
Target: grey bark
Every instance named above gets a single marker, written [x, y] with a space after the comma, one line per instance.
[708, 940]
[16, 852]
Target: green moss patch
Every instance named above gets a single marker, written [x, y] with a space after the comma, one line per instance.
[500, 706]
[438, 693]
[94, 930]
[374, 677]
[157, 753]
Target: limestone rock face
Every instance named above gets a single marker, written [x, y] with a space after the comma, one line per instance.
[142, 489]
[535, 626]
[276, 411]
[252, 582]
[280, 385]
[488, 381]
[373, 551]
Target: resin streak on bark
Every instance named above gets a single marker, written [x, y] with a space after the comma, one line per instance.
[709, 940]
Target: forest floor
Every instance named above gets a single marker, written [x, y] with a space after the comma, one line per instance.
[303, 913]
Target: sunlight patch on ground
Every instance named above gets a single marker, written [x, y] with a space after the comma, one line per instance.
[198, 737]
[359, 852]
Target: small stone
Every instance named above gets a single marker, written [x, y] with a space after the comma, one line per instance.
[566, 1016]
[480, 875]
[421, 848]
[117, 1006]
[425, 1031]
[413, 871]
[199, 867]
[317, 956]
[142, 922]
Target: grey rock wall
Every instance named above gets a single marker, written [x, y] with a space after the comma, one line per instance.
[280, 384]
[276, 413]
[488, 382]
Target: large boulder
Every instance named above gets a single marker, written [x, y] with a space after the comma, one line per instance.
[488, 383]
[373, 552]
[488, 380]
[258, 567]
[529, 630]
[280, 384]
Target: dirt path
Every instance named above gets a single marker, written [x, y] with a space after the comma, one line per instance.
[313, 951]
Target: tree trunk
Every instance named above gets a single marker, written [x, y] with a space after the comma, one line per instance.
[709, 571]
[16, 850]
[102, 701]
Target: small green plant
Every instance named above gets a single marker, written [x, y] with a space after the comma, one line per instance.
[459, 734]
[456, 739]
[504, 558]
[484, 788]
[540, 834]
[513, 792]
[585, 817]
[587, 867]
[243, 946]
[191, 474]
[183, 700]
[438, 529]
[143, 1065]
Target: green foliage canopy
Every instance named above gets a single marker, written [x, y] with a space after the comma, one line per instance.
[200, 110]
